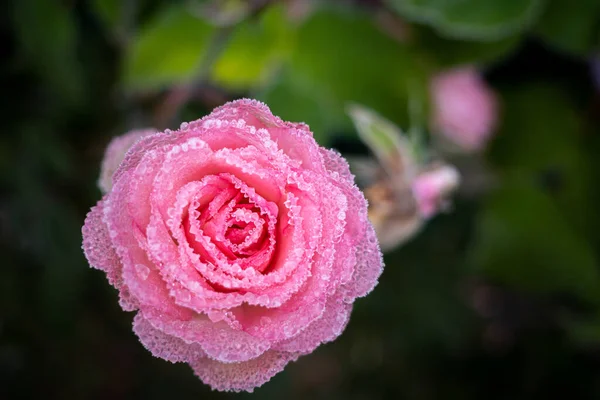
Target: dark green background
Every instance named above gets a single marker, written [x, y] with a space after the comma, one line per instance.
[499, 299]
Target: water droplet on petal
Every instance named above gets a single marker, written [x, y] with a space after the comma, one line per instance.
[142, 271]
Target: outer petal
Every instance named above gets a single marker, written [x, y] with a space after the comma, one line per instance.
[246, 376]
[165, 346]
[295, 139]
[325, 329]
[98, 248]
[100, 253]
[141, 147]
[115, 153]
[369, 265]
[369, 260]
[217, 339]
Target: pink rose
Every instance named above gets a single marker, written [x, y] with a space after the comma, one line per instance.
[465, 109]
[240, 242]
[115, 153]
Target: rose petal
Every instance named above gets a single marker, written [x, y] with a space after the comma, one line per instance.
[243, 376]
[324, 329]
[165, 346]
[115, 153]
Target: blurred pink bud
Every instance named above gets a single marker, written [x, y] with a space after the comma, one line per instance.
[432, 188]
[115, 153]
[465, 109]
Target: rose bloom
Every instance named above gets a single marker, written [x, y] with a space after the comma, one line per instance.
[240, 243]
[465, 109]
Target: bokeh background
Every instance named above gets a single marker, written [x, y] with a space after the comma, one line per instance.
[499, 298]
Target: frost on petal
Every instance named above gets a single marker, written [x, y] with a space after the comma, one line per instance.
[218, 340]
[139, 273]
[165, 346]
[141, 147]
[369, 265]
[252, 112]
[98, 248]
[115, 153]
[243, 376]
[337, 166]
[325, 329]
[100, 253]
[295, 139]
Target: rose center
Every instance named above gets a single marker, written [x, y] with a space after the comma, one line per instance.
[232, 225]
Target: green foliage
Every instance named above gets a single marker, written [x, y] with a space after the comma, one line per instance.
[256, 48]
[524, 240]
[448, 52]
[541, 141]
[367, 68]
[531, 234]
[471, 19]
[571, 27]
[109, 11]
[168, 50]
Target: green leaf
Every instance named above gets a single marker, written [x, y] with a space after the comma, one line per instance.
[523, 240]
[339, 58]
[256, 48]
[448, 53]
[387, 141]
[294, 99]
[583, 331]
[480, 20]
[571, 28]
[109, 11]
[168, 50]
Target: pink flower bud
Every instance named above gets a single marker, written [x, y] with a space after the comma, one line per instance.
[431, 189]
[115, 153]
[465, 109]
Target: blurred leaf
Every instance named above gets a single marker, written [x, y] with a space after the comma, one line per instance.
[221, 12]
[523, 240]
[540, 141]
[452, 52]
[421, 281]
[471, 19]
[295, 99]
[584, 332]
[47, 35]
[571, 27]
[387, 141]
[109, 11]
[531, 232]
[341, 58]
[168, 50]
[255, 48]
